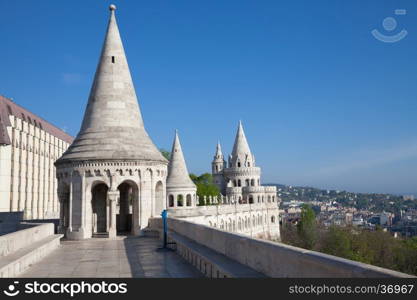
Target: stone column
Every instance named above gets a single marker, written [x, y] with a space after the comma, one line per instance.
[69, 229]
[112, 198]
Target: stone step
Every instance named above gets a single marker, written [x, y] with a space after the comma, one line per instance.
[18, 262]
[99, 235]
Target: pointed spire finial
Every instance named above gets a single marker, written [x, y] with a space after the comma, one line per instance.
[112, 7]
[218, 150]
[241, 146]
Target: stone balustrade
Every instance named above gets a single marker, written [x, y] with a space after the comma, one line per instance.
[275, 259]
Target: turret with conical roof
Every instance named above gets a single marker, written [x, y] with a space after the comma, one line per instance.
[112, 128]
[241, 155]
[112, 161]
[217, 167]
[181, 190]
[178, 175]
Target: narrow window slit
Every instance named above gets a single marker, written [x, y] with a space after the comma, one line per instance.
[112, 59]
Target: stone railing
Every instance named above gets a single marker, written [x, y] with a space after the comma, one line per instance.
[275, 259]
[211, 210]
[253, 189]
[12, 242]
[270, 189]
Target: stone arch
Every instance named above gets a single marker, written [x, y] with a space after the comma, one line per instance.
[64, 194]
[159, 198]
[128, 205]
[252, 182]
[273, 219]
[247, 182]
[180, 200]
[171, 201]
[189, 200]
[269, 198]
[239, 182]
[235, 183]
[250, 199]
[99, 210]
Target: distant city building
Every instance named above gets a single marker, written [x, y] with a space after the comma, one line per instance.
[29, 147]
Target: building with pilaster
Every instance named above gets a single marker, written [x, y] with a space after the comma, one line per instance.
[29, 146]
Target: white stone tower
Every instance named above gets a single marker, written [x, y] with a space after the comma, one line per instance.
[181, 190]
[217, 167]
[242, 175]
[112, 178]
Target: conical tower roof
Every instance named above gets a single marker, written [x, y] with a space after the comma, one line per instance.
[241, 146]
[112, 128]
[219, 154]
[219, 150]
[178, 175]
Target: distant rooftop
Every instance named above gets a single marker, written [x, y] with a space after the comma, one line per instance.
[8, 107]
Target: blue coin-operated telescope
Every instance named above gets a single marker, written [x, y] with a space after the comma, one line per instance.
[164, 215]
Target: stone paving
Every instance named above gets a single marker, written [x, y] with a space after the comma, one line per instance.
[123, 257]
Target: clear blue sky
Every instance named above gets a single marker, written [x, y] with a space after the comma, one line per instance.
[323, 102]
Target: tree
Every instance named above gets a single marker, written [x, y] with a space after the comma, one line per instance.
[338, 241]
[307, 227]
[165, 153]
[205, 186]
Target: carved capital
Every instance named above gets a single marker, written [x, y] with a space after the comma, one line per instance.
[113, 195]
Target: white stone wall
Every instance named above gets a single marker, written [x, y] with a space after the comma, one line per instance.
[255, 220]
[27, 172]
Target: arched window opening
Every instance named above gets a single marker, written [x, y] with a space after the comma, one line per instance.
[180, 200]
[189, 200]
[251, 199]
[171, 201]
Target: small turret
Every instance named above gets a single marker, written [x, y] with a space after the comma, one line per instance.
[181, 190]
[217, 167]
[218, 163]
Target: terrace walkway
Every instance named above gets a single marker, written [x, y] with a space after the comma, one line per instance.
[123, 257]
